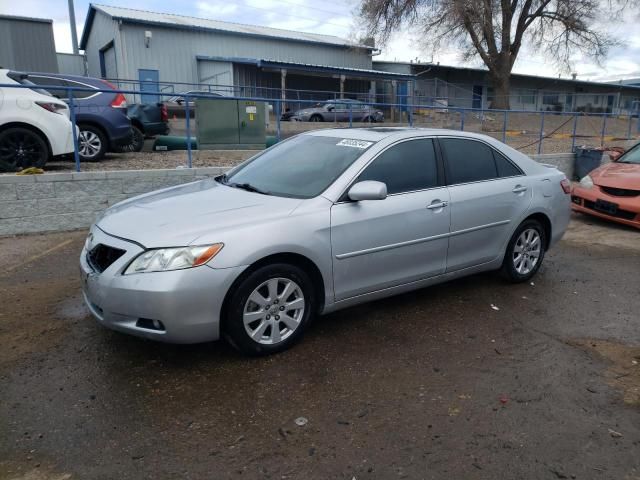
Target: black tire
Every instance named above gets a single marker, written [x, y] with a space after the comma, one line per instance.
[92, 143]
[137, 141]
[316, 118]
[512, 268]
[22, 148]
[234, 324]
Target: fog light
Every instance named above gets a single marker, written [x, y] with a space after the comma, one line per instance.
[150, 324]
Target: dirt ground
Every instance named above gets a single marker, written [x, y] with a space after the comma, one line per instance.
[429, 385]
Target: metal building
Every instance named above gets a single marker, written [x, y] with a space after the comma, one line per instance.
[27, 44]
[160, 50]
[470, 88]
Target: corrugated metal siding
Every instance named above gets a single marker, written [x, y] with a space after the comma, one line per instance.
[104, 31]
[26, 45]
[71, 64]
[173, 52]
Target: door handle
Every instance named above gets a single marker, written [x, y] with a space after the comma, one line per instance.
[519, 189]
[436, 205]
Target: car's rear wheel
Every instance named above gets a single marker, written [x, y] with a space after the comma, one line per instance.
[22, 148]
[137, 141]
[270, 309]
[525, 252]
[316, 118]
[92, 143]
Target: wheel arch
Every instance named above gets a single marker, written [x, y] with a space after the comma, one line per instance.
[36, 130]
[545, 221]
[290, 258]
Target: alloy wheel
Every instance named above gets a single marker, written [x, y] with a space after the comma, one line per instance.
[526, 251]
[89, 144]
[274, 311]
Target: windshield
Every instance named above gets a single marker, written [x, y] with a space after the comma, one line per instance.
[302, 167]
[632, 156]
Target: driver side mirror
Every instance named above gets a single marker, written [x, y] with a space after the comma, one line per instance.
[368, 190]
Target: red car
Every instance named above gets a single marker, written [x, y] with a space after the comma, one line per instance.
[612, 191]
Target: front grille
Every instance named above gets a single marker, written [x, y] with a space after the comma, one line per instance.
[102, 256]
[620, 192]
[627, 215]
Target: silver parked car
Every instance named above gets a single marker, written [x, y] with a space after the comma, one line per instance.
[319, 222]
[338, 111]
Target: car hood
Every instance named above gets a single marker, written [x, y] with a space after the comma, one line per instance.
[177, 216]
[617, 175]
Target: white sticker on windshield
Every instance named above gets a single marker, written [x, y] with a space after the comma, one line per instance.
[347, 142]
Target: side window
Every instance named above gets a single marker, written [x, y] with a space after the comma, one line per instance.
[47, 81]
[505, 167]
[405, 167]
[468, 160]
[78, 93]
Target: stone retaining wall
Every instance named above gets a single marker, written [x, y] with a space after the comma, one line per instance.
[69, 201]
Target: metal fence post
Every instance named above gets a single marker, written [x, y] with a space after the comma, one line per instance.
[575, 131]
[278, 115]
[541, 132]
[504, 128]
[72, 113]
[188, 120]
[604, 129]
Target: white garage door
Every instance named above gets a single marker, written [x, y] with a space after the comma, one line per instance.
[216, 73]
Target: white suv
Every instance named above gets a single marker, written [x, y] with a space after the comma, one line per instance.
[34, 126]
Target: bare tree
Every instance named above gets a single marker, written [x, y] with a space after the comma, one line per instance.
[495, 30]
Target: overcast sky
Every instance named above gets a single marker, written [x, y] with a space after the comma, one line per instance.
[332, 17]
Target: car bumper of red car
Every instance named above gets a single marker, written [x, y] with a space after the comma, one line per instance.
[594, 201]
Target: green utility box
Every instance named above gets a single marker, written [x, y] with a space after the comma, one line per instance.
[230, 124]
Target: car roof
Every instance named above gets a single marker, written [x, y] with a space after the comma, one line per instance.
[379, 133]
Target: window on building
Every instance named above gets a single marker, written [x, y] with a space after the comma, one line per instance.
[406, 167]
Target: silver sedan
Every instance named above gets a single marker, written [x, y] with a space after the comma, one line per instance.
[319, 222]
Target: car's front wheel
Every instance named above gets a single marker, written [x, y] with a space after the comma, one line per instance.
[525, 252]
[270, 309]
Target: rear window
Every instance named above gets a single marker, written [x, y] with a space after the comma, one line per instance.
[21, 78]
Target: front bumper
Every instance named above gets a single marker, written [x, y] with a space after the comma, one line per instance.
[584, 200]
[187, 303]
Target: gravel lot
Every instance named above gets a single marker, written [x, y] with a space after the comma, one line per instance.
[429, 385]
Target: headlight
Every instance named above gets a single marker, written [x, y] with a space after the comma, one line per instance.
[586, 182]
[165, 259]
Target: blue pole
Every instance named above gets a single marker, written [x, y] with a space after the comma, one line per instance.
[575, 130]
[278, 114]
[72, 112]
[504, 128]
[604, 129]
[188, 120]
[541, 133]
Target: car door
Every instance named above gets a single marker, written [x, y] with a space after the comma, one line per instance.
[488, 193]
[378, 244]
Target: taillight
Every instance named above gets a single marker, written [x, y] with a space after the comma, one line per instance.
[164, 114]
[120, 101]
[566, 186]
[52, 107]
